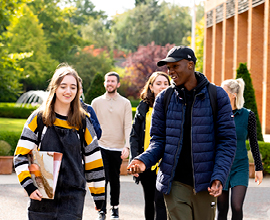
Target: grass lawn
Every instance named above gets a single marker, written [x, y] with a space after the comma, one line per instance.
[11, 124]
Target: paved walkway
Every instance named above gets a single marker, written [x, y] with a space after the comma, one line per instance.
[13, 201]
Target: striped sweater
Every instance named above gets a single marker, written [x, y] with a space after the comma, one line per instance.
[94, 171]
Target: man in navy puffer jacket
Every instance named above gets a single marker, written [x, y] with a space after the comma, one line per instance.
[197, 151]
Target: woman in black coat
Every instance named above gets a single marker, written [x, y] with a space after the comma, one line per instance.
[139, 141]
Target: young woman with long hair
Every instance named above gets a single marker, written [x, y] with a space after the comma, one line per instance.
[64, 127]
[139, 141]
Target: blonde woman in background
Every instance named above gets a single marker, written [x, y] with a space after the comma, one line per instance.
[139, 142]
[245, 123]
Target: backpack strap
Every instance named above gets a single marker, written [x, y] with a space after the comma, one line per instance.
[40, 127]
[167, 97]
[81, 134]
[212, 90]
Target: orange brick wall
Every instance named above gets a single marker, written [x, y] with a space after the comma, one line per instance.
[208, 52]
[218, 54]
[267, 93]
[245, 40]
[229, 43]
[242, 38]
[256, 53]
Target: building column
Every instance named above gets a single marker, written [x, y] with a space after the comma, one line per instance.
[228, 49]
[208, 51]
[266, 77]
[256, 51]
[241, 32]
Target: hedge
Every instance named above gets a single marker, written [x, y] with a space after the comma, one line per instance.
[12, 138]
[11, 110]
[265, 152]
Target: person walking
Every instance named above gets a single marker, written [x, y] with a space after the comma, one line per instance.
[245, 122]
[139, 141]
[88, 108]
[58, 124]
[197, 149]
[114, 113]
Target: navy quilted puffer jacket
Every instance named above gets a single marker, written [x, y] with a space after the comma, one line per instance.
[211, 157]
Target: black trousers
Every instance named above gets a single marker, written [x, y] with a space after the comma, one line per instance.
[112, 162]
[154, 208]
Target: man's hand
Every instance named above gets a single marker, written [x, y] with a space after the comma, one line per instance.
[125, 153]
[216, 188]
[36, 195]
[136, 166]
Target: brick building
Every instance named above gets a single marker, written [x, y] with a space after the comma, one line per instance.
[238, 31]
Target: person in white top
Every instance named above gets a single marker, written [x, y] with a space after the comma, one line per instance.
[114, 113]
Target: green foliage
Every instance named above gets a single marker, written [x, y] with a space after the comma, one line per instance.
[5, 148]
[96, 89]
[96, 33]
[12, 124]
[7, 9]
[11, 138]
[61, 34]
[249, 95]
[26, 34]
[84, 10]
[199, 44]
[265, 152]
[163, 24]
[10, 74]
[200, 11]
[135, 102]
[87, 65]
[14, 111]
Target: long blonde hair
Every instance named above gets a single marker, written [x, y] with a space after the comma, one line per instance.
[76, 112]
[236, 86]
[146, 94]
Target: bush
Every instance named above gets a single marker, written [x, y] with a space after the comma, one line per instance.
[96, 89]
[135, 103]
[5, 148]
[11, 138]
[249, 96]
[11, 110]
[265, 152]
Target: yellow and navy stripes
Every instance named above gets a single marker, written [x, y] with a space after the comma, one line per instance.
[94, 171]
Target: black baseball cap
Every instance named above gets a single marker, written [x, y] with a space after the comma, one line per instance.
[178, 53]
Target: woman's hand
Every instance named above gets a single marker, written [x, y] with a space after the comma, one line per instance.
[36, 195]
[258, 176]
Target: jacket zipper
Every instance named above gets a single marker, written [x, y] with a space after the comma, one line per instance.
[176, 150]
[194, 190]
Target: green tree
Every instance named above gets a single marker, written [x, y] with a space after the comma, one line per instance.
[249, 95]
[96, 89]
[171, 25]
[199, 44]
[10, 73]
[164, 23]
[7, 9]
[26, 34]
[85, 9]
[88, 64]
[60, 33]
[96, 33]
